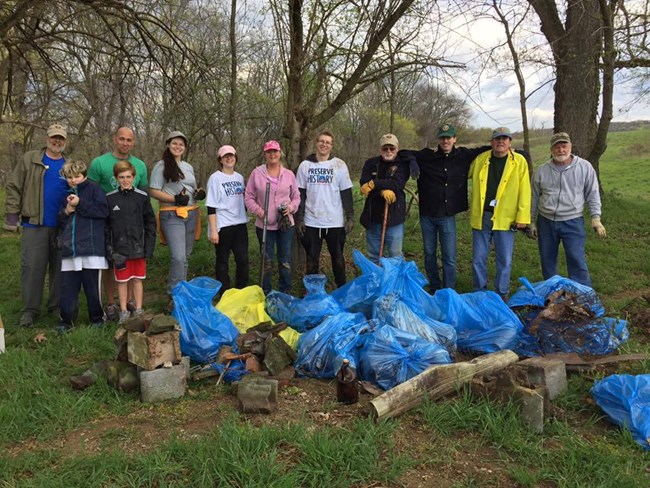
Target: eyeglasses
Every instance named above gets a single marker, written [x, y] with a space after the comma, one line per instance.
[389, 148]
[326, 143]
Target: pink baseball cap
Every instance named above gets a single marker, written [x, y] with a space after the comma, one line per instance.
[223, 150]
[272, 146]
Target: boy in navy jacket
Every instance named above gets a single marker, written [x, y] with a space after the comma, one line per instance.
[83, 251]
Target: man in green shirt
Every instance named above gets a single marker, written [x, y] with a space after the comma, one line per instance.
[101, 168]
[101, 172]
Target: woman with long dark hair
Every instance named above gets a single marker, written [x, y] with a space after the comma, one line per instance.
[173, 184]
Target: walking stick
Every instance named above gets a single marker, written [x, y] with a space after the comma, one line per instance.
[266, 223]
[383, 231]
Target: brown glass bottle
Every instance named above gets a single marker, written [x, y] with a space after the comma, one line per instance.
[346, 384]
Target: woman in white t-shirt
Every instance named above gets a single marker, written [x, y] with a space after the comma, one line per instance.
[227, 219]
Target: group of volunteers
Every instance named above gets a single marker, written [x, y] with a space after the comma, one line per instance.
[78, 220]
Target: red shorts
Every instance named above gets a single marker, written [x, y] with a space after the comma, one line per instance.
[135, 268]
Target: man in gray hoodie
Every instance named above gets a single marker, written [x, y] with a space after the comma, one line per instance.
[561, 188]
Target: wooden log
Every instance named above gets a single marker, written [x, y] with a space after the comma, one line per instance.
[435, 382]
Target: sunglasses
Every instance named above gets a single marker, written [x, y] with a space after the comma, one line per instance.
[389, 148]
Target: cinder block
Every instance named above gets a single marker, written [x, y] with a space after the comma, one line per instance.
[163, 383]
[550, 373]
[151, 351]
[257, 395]
[531, 406]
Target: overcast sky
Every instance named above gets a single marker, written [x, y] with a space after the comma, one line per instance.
[494, 95]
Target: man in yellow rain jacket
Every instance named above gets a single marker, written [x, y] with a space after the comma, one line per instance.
[500, 202]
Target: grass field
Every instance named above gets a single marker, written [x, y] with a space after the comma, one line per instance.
[52, 436]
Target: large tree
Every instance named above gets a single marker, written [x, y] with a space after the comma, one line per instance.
[589, 40]
[332, 50]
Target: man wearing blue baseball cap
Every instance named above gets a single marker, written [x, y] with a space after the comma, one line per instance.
[501, 199]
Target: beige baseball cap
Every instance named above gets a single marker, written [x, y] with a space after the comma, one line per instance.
[388, 140]
[57, 130]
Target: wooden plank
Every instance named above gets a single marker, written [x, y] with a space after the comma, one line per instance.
[435, 382]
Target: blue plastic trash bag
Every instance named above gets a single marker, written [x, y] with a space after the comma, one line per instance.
[359, 294]
[536, 294]
[307, 313]
[203, 328]
[483, 322]
[389, 356]
[393, 310]
[626, 401]
[279, 305]
[235, 371]
[597, 337]
[322, 349]
[403, 278]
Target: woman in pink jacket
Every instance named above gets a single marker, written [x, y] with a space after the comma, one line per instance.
[284, 199]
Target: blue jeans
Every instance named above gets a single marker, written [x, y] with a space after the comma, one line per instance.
[282, 240]
[179, 234]
[392, 241]
[504, 243]
[445, 229]
[572, 235]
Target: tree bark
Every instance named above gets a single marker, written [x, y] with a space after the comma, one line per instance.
[436, 382]
[577, 47]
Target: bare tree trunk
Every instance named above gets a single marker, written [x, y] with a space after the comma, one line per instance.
[232, 112]
[577, 47]
[521, 80]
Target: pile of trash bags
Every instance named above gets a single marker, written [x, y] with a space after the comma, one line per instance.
[561, 315]
[389, 328]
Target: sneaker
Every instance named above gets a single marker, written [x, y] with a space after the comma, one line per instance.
[113, 312]
[130, 306]
[124, 316]
[138, 311]
[26, 320]
[98, 325]
[62, 328]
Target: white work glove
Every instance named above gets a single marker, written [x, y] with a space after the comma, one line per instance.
[598, 227]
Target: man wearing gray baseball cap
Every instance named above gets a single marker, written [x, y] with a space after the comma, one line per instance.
[500, 201]
[35, 192]
[561, 188]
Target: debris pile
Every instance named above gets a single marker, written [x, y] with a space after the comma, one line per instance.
[560, 315]
[148, 359]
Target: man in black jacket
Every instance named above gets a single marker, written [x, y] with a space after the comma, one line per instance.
[442, 190]
[382, 183]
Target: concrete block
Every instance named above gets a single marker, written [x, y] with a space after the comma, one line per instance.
[257, 395]
[550, 373]
[532, 402]
[278, 355]
[151, 351]
[531, 407]
[163, 383]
